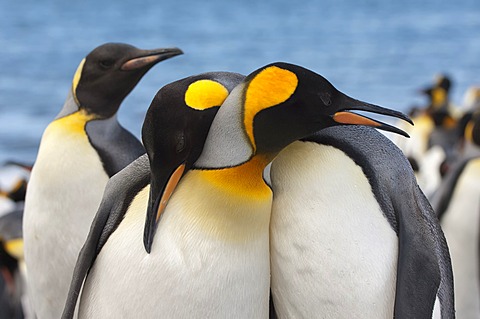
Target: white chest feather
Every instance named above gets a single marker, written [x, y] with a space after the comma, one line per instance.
[460, 225]
[206, 261]
[64, 192]
[333, 253]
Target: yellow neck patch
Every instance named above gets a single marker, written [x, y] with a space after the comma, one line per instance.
[204, 94]
[245, 180]
[76, 79]
[439, 97]
[268, 88]
[469, 132]
[73, 123]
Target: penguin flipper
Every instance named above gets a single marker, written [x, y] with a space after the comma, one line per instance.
[424, 269]
[441, 197]
[119, 192]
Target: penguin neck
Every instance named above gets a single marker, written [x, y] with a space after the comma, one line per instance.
[73, 123]
[73, 105]
[227, 143]
[230, 204]
[70, 106]
[244, 180]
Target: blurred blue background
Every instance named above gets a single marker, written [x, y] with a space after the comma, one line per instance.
[374, 50]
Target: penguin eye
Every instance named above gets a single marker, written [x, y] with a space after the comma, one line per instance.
[180, 142]
[106, 64]
[326, 99]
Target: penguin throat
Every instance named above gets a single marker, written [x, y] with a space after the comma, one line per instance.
[73, 123]
[245, 180]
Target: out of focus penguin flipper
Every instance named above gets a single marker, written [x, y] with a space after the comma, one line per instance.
[134, 177]
[441, 197]
[424, 268]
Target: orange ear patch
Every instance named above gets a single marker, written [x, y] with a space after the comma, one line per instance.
[204, 94]
[268, 88]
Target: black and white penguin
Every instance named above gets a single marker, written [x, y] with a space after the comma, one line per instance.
[175, 129]
[457, 203]
[79, 151]
[352, 234]
[209, 247]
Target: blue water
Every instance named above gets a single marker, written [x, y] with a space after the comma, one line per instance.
[374, 50]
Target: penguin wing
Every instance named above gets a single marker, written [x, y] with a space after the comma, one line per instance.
[424, 268]
[119, 192]
[441, 198]
[116, 146]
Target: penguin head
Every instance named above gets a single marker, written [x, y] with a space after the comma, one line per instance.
[276, 105]
[443, 81]
[297, 102]
[437, 93]
[174, 131]
[110, 72]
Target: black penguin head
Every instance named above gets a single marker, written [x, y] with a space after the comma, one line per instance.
[437, 93]
[443, 81]
[174, 132]
[110, 72]
[294, 102]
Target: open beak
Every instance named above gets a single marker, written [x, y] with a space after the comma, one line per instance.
[348, 104]
[160, 193]
[148, 58]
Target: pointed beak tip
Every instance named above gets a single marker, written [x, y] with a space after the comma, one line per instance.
[171, 52]
[409, 120]
[148, 248]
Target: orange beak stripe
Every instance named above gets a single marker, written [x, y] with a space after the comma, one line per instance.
[171, 185]
[352, 118]
[137, 63]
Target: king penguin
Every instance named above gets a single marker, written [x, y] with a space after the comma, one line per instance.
[205, 254]
[178, 119]
[352, 234]
[457, 203]
[79, 151]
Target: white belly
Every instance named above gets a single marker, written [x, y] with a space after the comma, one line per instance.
[333, 253]
[193, 271]
[64, 192]
[460, 225]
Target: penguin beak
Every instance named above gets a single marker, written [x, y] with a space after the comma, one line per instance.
[344, 116]
[157, 202]
[148, 58]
